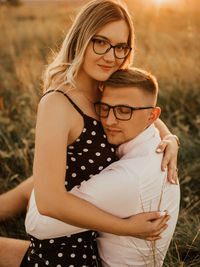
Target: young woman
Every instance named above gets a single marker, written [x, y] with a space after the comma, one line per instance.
[70, 143]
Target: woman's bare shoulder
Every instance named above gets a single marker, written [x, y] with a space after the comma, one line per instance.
[55, 102]
[55, 108]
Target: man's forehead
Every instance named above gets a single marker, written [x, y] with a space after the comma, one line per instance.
[121, 93]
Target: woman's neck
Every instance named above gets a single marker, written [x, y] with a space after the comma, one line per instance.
[88, 86]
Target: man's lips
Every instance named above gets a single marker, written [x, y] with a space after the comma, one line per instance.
[112, 131]
[104, 67]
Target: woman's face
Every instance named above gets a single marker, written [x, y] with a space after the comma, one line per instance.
[100, 67]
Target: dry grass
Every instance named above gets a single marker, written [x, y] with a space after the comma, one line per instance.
[167, 44]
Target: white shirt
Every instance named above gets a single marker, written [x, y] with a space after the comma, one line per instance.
[133, 184]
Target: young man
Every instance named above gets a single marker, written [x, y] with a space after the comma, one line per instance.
[133, 184]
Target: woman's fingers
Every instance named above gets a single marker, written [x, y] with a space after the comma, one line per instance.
[159, 224]
[161, 147]
[157, 233]
[155, 215]
[162, 221]
[172, 174]
[153, 238]
[176, 178]
[170, 149]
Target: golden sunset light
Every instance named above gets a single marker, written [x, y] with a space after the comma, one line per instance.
[100, 100]
[161, 1]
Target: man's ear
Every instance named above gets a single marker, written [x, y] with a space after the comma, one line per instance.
[154, 115]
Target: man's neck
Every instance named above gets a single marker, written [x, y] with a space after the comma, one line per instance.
[128, 146]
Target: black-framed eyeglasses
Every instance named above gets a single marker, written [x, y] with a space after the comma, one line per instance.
[101, 47]
[121, 112]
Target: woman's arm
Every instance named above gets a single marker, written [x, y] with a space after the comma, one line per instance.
[15, 200]
[53, 132]
[170, 148]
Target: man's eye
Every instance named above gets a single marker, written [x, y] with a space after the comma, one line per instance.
[123, 110]
[104, 108]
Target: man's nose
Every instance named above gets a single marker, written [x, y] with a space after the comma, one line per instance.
[110, 56]
[111, 119]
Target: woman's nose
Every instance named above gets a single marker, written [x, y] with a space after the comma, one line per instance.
[109, 56]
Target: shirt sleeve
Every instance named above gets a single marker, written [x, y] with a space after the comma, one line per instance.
[115, 191]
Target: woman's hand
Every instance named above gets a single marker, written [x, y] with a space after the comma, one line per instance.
[170, 148]
[149, 225]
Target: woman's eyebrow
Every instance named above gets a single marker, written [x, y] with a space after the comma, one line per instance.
[107, 39]
[103, 37]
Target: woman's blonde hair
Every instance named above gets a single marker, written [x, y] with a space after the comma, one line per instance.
[94, 15]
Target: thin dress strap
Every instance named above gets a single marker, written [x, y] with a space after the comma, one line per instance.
[75, 106]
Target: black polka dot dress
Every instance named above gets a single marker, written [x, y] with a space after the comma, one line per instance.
[87, 156]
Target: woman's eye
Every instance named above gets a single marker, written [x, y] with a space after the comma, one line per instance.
[121, 48]
[100, 42]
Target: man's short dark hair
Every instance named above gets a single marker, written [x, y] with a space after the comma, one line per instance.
[133, 77]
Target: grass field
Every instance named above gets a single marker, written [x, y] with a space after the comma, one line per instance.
[167, 44]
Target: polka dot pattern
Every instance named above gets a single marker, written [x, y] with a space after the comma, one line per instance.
[80, 250]
[89, 154]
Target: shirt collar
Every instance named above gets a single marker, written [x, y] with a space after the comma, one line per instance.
[131, 145]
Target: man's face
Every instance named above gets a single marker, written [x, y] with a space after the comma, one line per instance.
[119, 131]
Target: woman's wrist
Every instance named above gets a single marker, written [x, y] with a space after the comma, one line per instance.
[168, 136]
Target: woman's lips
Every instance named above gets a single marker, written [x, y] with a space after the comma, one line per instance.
[103, 67]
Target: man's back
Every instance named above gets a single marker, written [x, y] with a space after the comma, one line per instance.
[133, 184]
[147, 190]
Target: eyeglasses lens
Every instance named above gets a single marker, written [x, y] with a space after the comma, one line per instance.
[102, 47]
[120, 112]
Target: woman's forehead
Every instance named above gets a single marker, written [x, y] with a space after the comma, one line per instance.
[115, 32]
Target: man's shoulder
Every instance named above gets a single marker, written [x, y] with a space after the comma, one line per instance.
[143, 161]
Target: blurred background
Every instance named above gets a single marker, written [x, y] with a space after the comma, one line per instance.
[167, 37]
